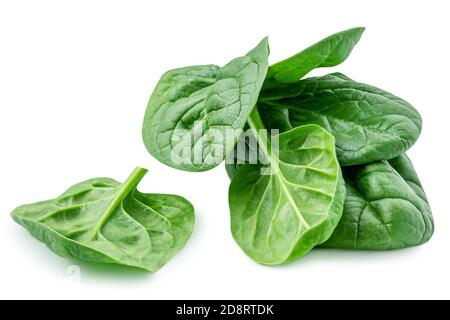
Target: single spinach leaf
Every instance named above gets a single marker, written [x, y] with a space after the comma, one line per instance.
[368, 123]
[385, 208]
[328, 52]
[195, 113]
[278, 217]
[101, 220]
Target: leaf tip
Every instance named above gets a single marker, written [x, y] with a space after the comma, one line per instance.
[359, 31]
[265, 43]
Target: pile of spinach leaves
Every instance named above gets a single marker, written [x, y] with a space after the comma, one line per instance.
[336, 175]
[339, 176]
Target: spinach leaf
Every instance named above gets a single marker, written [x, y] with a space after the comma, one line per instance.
[385, 208]
[368, 123]
[278, 217]
[101, 220]
[195, 113]
[328, 52]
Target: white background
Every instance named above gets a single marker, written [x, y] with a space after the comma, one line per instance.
[75, 78]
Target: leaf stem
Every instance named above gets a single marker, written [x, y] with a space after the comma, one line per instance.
[264, 142]
[257, 126]
[125, 188]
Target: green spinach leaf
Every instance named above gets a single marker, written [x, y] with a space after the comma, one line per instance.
[368, 123]
[278, 217]
[101, 220]
[328, 52]
[385, 208]
[195, 113]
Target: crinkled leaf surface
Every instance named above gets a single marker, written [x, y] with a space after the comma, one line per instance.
[368, 123]
[195, 113]
[328, 52]
[101, 220]
[278, 217]
[385, 208]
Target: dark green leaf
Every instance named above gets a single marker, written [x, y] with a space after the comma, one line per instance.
[368, 123]
[385, 208]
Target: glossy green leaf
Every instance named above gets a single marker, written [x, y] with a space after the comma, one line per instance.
[278, 217]
[328, 52]
[195, 113]
[385, 208]
[368, 123]
[101, 220]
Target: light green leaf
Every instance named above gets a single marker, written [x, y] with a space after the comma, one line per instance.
[101, 220]
[328, 52]
[278, 217]
[195, 113]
